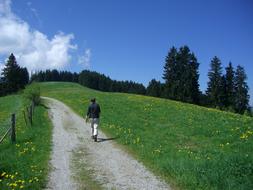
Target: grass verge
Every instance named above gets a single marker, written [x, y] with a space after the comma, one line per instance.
[24, 165]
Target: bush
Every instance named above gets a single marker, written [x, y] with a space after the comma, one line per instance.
[231, 109]
[32, 94]
[248, 112]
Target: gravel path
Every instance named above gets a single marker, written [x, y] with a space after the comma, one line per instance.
[111, 167]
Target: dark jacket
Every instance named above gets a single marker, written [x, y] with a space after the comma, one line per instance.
[93, 110]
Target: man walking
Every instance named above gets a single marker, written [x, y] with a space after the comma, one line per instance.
[93, 113]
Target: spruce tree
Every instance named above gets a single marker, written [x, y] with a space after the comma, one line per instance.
[183, 74]
[241, 90]
[193, 88]
[230, 88]
[55, 75]
[154, 88]
[169, 74]
[24, 76]
[11, 74]
[214, 90]
[187, 76]
[223, 93]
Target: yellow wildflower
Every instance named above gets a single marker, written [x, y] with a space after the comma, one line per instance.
[3, 174]
[244, 136]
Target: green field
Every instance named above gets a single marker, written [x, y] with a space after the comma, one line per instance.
[24, 164]
[191, 147]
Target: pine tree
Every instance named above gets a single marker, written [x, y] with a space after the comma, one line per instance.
[55, 75]
[187, 76]
[183, 74]
[215, 83]
[193, 80]
[230, 88]
[10, 74]
[14, 76]
[24, 76]
[154, 88]
[223, 93]
[241, 90]
[169, 74]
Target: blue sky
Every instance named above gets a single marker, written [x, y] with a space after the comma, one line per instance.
[129, 39]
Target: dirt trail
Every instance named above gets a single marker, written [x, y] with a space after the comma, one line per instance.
[106, 164]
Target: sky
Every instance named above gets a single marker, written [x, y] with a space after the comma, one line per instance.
[126, 39]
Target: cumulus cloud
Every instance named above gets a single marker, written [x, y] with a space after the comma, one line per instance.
[1, 69]
[84, 60]
[32, 48]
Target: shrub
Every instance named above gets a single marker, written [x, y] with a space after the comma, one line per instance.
[248, 112]
[32, 94]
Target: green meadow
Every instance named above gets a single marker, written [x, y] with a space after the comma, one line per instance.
[191, 147]
[24, 164]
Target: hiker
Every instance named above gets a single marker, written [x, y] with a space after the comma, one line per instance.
[93, 114]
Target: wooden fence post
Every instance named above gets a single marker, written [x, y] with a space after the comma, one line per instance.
[13, 131]
[25, 117]
[31, 114]
[28, 115]
[33, 106]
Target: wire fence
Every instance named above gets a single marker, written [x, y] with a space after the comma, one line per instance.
[9, 126]
[5, 124]
[6, 129]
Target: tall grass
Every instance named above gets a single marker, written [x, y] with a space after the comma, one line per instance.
[190, 146]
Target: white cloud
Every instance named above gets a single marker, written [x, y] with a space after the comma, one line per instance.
[84, 60]
[1, 69]
[32, 48]
[5, 8]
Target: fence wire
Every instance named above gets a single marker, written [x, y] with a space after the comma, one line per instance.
[4, 127]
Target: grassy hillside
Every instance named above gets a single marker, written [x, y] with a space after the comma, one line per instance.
[190, 146]
[24, 164]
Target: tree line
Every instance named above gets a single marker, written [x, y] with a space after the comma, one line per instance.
[90, 79]
[16, 77]
[54, 75]
[101, 82]
[227, 91]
